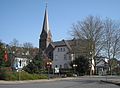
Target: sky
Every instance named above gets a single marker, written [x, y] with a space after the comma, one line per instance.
[23, 19]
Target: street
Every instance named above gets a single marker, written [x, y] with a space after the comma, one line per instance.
[81, 82]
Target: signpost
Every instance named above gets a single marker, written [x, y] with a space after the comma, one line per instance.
[56, 70]
[48, 67]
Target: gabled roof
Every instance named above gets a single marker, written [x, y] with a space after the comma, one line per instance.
[102, 63]
[68, 45]
[61, 43]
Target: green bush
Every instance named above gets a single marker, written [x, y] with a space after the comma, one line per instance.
[5, 75]
[12, 77]
[27, 76]
[69, 74]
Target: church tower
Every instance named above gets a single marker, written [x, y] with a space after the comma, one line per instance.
[45, 36]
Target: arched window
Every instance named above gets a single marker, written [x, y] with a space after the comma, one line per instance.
[65, 65]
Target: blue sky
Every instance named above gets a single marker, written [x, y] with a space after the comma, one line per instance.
[23, 19]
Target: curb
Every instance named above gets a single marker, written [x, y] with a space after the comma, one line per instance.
[33, 81]
[111, 82]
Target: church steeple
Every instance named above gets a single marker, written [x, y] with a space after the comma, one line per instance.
[46, 27]
[45, 37]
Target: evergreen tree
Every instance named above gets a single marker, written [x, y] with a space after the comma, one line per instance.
[35, 65]
[2, 50]
[3, 62]
[82, 65]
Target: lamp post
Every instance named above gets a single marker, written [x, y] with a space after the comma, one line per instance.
[74, 67]
[48, 67]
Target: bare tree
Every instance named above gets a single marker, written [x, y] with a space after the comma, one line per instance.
[111, 40]
[27, 45]
[28, 49]
[116, 44]
[14, 43]
[90, 29]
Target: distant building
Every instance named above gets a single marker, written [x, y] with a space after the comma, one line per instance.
[102, 65]
[20, 56]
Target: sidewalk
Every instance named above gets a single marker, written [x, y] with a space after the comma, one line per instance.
[107, 79]
[33, 81]
[115, 81]
[110, 79]
[112, 82]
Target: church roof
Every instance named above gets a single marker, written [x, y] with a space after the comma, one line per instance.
[62, 43]
[58, 43]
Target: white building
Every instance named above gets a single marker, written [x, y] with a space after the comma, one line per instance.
[62, 55]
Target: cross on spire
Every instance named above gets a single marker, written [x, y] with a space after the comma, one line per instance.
[46, 3]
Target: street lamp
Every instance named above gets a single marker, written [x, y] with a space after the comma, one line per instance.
[48, 66]
[74, 66]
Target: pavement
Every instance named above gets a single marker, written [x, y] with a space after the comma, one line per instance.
[34, 81]
[109, 79]
[115, 81]
[112, 82]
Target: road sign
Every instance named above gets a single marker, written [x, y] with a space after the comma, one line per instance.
[56, 70]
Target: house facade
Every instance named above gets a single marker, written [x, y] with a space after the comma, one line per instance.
[20, 56]
[102, 65]
[61, 54]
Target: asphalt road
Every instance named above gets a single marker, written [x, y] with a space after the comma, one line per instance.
[84, 82]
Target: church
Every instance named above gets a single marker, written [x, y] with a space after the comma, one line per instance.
[61, 53]
[58, 52]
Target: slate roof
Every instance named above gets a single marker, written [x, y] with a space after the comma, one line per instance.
[58, 43]
[62, 43]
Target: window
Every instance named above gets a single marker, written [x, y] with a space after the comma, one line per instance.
[56, 57]
[63, 49]
[65, 65]
[65, 58]
[56, 66]
[58, 49]
[60, 66]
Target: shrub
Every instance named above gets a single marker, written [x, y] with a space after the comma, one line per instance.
[27, 76]
[9, 75]
[69, 74]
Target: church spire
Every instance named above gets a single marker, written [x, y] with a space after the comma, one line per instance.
[45, 37]
[46, 27]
